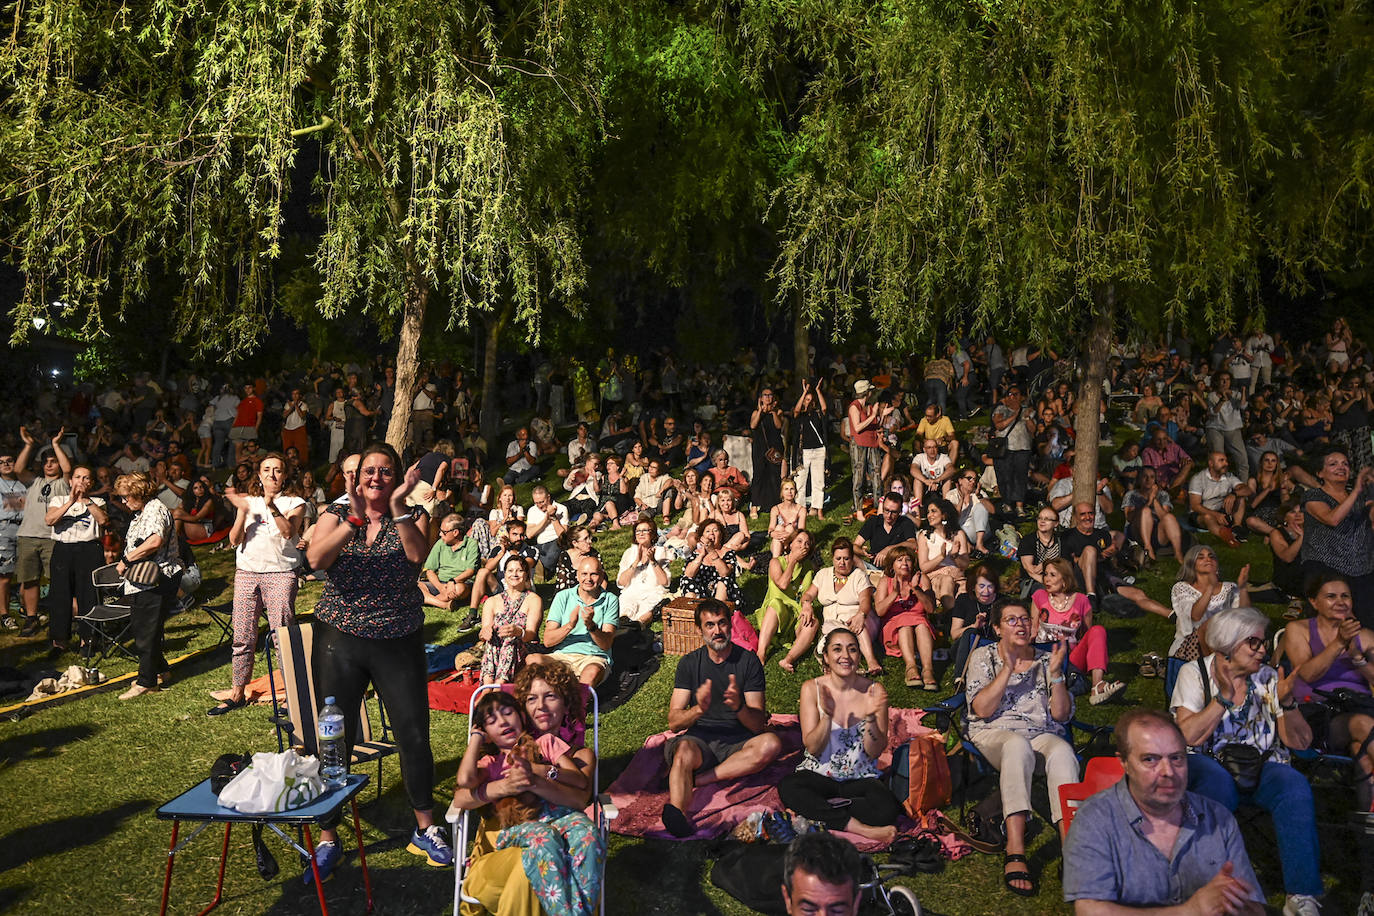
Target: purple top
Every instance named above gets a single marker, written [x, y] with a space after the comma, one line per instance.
[1340, 674]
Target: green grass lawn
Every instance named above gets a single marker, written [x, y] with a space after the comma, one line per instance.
[81, 781]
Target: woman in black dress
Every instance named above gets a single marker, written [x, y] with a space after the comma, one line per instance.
[766, 431]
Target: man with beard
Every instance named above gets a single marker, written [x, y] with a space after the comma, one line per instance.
[1148, 844]
[718, 708]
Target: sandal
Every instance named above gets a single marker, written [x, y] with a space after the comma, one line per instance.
[912, 678]
[929, 685]
[1293, 611]
[227, 706]
[1021, 875]
[1104, 691]
[1151, 665]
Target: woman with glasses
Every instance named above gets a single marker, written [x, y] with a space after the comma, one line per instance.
[1239, 718]
[1199, 594]
[1018, 704]
[1040, 546]
[369, 628]
[972, 617]
[643, 576]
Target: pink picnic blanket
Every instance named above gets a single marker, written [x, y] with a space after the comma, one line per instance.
[641, 791]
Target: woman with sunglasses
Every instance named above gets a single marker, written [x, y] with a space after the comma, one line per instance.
[1232, 699]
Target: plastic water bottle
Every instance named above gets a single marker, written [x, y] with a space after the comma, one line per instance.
[331, 734]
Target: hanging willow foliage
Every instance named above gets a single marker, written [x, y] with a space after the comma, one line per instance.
[435, 147]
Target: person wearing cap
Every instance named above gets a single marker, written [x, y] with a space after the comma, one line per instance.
[865, 457]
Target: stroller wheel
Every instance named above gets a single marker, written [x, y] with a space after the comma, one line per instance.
[903, 901]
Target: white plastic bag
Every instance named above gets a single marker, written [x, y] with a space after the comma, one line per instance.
[275, 782]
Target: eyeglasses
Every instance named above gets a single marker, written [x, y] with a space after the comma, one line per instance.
[450, 530]
[1256, 644]
[6, 461]
[1015, 621]
[970, 478]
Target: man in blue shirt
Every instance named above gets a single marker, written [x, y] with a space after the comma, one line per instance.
[1148, 845]
[581, 625]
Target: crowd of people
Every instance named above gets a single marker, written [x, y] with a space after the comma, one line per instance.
[725, 477]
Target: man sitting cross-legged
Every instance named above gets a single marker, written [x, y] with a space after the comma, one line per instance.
[1147, 844]
[718, 707]
[451, 564]
[581, 625]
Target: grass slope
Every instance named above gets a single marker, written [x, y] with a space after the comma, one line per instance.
[81, 782]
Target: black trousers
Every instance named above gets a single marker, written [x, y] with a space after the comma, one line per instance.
[868, 801]
[344, 665]
[149, 611]
[70, 578]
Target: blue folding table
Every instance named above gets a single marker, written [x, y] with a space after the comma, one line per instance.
[201, 804]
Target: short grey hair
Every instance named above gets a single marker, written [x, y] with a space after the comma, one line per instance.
[1229, 628]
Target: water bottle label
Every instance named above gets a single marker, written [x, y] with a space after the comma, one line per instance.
[331, 728]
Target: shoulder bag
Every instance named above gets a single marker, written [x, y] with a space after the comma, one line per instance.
[1243, 761]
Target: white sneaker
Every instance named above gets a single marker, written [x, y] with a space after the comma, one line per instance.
[1301, 905]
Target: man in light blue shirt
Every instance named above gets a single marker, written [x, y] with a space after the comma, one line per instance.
[1148, 845]
[581, 625]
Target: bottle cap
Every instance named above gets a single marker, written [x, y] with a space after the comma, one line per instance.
[329, 701]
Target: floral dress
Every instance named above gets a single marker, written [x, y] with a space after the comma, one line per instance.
[560, 850]
[505, 654]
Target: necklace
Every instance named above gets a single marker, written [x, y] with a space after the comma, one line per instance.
[1061, 602]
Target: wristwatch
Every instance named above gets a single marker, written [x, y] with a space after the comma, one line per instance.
[552, 774]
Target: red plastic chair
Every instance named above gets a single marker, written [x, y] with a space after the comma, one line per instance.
[1101, 773]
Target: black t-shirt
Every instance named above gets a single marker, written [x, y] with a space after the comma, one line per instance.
[812, 427]
[1074, 541]
[1030, 546]
[430, 464]
[876, 538]
[966, 609]
[720, 722]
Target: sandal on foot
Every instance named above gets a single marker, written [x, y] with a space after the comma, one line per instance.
[227, 706]
[1020, 875]
[912, 678]
[1104, 691]
[929, 685]
[1151, 665]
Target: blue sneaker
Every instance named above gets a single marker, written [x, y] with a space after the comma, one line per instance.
[431, 844]
[327, 856]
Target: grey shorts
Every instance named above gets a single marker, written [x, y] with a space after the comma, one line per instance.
[714, 752]
[242, 433]
[9, 554]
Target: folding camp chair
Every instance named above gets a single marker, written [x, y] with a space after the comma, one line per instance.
[952, 712]
[296, 724]
[106, 625]
[1100, 773]
[465, 824]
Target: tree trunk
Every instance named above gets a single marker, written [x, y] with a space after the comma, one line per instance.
[490, 406]
[1087, 411]
[407, 363]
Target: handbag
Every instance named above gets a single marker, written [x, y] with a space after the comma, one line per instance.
[143, 573]
[1243, 761]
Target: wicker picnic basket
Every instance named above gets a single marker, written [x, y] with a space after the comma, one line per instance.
[680, 631]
